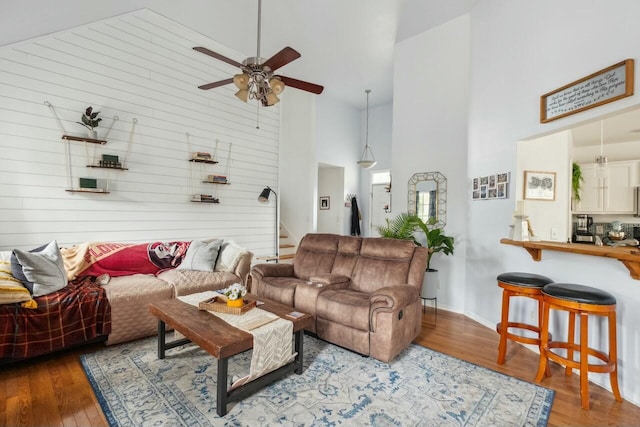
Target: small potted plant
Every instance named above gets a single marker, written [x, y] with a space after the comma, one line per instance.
[90, 120]
[234, 294]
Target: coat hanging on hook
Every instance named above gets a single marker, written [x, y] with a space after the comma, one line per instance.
[355, 217]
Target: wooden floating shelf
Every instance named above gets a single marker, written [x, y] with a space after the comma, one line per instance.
[214, 182]
[78, 190]
[206, 201]
[84, 139]
[628, 255]
[212, 162]
[108, 167]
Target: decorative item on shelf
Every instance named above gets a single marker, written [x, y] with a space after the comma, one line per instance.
[204, 198]
[203, 157]
[521, 227]
[576, 181]
[90, 183]
[110, 161]
[217, 179]
[367, 160]
[90, 120]
[234, 294]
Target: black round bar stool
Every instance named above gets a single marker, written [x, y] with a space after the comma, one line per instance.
[582, 301]
[516, 284]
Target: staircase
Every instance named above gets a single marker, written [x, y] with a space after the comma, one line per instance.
[287, 248]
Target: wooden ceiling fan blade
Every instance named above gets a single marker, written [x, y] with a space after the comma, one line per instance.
[218, 56]
[282, 58]
[302, 85]
[215, 84]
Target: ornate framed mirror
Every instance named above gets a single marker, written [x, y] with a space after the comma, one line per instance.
[427, 197]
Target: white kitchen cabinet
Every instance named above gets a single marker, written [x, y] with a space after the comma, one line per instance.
[611, 193]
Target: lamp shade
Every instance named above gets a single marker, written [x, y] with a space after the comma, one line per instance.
[264, 196]
[243, 94]
[277, 86]
[272, 98]
[241, 81]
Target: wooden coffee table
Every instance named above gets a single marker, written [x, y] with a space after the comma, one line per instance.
[222, 341]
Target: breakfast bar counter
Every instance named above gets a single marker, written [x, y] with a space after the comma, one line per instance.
[628, 255]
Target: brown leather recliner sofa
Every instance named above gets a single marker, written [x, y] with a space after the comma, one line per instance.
[364, 292]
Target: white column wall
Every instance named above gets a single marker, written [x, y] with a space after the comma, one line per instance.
[431, 75]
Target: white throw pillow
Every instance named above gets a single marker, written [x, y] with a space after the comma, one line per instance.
[229, 256]
[45, 269]
[201, 256]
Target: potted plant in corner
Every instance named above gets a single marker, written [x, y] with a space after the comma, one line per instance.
[90, 120]
[437, 241]
[404, 226]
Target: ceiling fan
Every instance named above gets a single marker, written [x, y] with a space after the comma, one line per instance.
[257, 80]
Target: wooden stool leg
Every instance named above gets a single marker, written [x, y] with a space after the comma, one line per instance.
[571, 341]
[544, 341]
[540, 313]
[504, 327]
[584, 360]
[613, 355]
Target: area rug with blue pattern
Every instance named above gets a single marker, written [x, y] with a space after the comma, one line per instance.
[421, 387]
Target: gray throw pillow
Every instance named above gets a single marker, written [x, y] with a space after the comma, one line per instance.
[44, 270]
[201, 256]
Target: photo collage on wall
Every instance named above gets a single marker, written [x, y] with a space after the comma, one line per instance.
[491, 187]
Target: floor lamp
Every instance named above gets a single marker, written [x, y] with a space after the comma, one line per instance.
[264, 198]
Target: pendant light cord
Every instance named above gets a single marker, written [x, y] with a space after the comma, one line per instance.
[367, 129]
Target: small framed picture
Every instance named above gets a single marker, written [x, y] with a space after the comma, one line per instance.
[502, 178]
[324, 203]
[539, 185]
[476, 183]
[476, 194]
[501, 190]
[484, 180]
[492, 181]
[483, 191]
[492, 193]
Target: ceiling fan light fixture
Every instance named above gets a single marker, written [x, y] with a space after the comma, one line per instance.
[241, 81]
[243, 94]
[277, 86]
[367, 160]
[272, 98]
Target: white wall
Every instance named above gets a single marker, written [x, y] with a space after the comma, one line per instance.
[547, 154]
[430, 135]
[135, 66]
[298, 176]
[521, 50]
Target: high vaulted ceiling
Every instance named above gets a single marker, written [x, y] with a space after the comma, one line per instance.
[346, 45]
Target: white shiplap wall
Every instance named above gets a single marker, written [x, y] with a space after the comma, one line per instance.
[135, 66]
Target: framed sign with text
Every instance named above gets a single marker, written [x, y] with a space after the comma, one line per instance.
[604, 86]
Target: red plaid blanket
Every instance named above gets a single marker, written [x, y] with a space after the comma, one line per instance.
[76, 314]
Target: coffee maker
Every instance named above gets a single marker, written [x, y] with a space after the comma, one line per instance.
[582, 234]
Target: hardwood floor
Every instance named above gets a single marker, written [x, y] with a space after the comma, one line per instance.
[54, 391]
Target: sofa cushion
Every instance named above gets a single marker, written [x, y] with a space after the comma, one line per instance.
[201, 256]
[346, 307]
[185, 282]
[382, 262]
[44, 270]
[229, 256]
[280, 289]
[315, 255]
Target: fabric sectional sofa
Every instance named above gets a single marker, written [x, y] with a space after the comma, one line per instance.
[363, 292]
[53, 298]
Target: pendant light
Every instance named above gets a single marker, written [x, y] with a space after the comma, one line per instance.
[367, 160]
[601, 160]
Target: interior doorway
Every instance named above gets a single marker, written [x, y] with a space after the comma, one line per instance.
[330, 204]
[380, 200]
